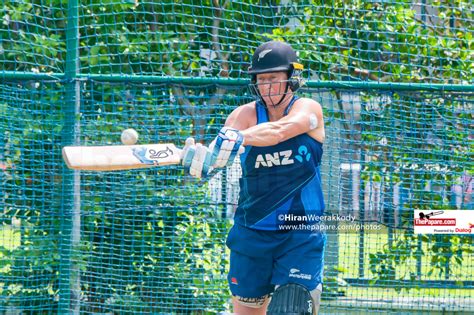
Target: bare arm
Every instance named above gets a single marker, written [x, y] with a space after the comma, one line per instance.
[242, 117]
[301, 119]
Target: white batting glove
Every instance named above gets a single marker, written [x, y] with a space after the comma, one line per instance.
[226, 146]
[196, 159]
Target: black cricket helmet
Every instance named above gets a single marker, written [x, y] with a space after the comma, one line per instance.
[277, 56]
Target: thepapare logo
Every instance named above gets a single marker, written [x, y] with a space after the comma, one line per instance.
[282, 158]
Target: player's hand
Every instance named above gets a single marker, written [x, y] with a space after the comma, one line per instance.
[196, 159]
[226, 146]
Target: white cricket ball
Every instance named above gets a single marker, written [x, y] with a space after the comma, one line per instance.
[129, 136]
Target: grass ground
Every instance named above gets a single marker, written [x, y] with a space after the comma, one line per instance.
[9, 237]
[349, 249]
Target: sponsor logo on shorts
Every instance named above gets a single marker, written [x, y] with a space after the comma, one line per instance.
[233, 280]
[295, 273]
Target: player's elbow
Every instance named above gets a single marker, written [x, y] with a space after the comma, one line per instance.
[279, 134]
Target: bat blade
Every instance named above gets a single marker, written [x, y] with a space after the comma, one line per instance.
[120, 157]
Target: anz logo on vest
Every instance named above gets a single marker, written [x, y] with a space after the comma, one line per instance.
[282, 158]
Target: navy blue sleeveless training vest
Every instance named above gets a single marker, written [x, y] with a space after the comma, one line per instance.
[280, 179]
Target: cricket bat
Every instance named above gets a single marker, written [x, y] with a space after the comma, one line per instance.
[120, 157]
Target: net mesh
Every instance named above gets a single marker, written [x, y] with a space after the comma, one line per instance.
[153, 241]
[387, 41]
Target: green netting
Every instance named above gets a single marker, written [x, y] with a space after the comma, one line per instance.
[153, 241]
[387, 41]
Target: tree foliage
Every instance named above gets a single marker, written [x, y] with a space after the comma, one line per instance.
[383, 41]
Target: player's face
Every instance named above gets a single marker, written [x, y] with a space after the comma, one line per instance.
[272, 86]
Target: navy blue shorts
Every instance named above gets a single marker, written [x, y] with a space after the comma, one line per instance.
[259, 260]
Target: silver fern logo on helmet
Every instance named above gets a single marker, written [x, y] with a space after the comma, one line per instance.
[263, 53]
